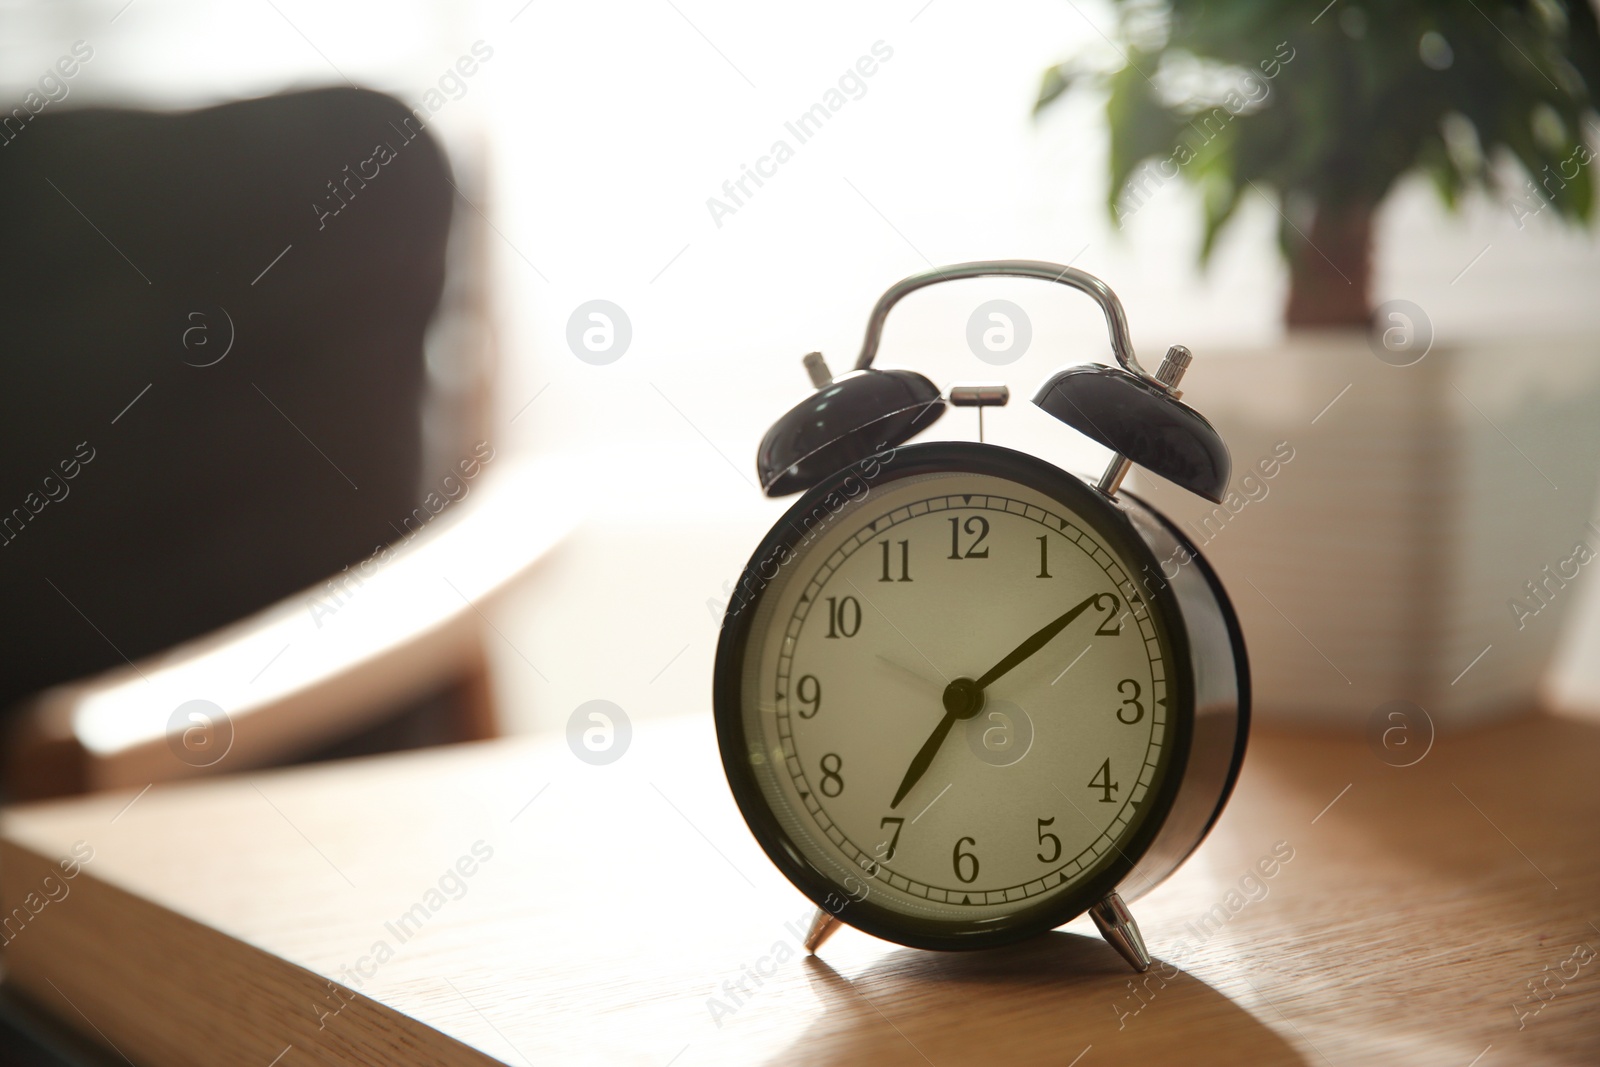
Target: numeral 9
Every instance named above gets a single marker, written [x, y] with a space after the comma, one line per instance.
[809, 696]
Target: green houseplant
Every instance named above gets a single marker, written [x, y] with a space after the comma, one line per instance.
[1413, 548]
[1328, 111]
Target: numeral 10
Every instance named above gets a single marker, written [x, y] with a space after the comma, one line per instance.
[844, 616]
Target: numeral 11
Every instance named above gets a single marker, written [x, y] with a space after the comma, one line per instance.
[905, 562]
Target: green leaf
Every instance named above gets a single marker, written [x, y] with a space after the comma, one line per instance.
[1344, 119]
[1141, 130]
[1221, 199]
[1056, 81]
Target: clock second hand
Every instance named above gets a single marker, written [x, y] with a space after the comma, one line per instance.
[912, 672]
[963, 698]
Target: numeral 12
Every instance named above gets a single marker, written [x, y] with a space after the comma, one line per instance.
[976, 527]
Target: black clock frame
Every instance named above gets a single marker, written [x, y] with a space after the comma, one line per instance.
[1086, 505]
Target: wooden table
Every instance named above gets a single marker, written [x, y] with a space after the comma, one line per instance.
[616, 914]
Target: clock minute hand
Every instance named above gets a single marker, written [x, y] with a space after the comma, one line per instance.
[1033, 644]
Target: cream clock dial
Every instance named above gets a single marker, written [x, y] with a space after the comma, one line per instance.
[958, 702]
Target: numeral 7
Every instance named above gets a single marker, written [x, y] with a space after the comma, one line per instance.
[894, 840]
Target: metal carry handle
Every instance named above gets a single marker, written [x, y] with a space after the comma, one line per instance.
[1097, 290]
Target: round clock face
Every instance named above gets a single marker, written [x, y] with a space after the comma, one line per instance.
[948, 706]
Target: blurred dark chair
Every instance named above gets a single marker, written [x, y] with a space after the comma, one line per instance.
[213, 331]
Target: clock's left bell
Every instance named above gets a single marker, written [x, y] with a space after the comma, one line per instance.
[847, 419]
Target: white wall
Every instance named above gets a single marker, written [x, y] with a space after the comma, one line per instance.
[610, 124]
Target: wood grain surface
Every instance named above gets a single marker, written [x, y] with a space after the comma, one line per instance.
[560, 912]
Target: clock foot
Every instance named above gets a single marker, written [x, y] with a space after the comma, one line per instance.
[1116, 925]
[822, 927]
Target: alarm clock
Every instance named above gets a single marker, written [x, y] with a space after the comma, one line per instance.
[961, 695]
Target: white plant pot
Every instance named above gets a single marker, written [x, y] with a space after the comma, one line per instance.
[1384, 559]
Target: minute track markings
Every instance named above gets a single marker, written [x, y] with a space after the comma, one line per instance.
[862, 862]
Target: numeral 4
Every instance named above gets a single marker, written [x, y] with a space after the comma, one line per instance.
[1102, 781]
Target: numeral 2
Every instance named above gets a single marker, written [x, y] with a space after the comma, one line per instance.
[1107, 629]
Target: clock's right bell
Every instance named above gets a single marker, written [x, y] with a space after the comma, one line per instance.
[1142, 421]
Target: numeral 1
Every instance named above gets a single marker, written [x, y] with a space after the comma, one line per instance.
[1044, 556]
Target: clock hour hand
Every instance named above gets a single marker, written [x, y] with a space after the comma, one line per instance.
[962, 700]
[923, 758]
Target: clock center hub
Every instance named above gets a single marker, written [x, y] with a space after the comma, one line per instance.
[962, 698]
